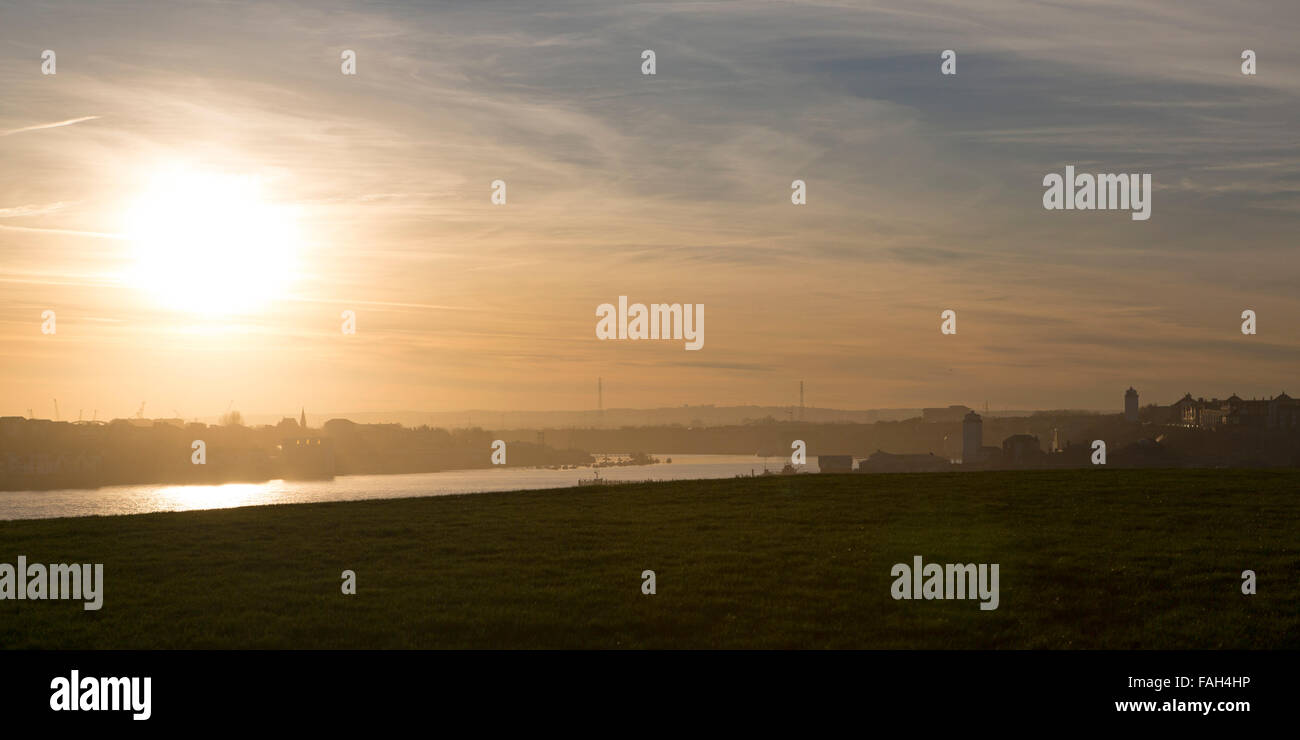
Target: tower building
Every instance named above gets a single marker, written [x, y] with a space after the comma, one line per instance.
[1131, 405]
[972, 438]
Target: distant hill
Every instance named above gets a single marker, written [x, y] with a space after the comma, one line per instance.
[685, 415]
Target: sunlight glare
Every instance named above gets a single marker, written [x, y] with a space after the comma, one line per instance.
[211, 243]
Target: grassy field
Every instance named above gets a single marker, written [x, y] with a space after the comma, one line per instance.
[1089, 559]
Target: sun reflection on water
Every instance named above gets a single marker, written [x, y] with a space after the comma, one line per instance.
[224, 496]
[139, 499]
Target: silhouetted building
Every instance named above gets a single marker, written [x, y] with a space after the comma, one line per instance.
[972, 438]
[1021, 449]
[1284, 413]
[1198, 413]
[1185, 411]
[884, 462]
[1131, 405]
[835, 463]
[1211, 415]
[1281, 413]
[944, 415]
[307, 457]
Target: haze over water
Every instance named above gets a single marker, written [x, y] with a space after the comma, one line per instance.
[139, 499]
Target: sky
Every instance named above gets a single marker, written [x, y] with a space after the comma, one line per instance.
[199, 192]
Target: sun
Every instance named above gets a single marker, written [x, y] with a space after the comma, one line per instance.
[211, 243]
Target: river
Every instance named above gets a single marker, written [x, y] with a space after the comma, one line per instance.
[138, 499]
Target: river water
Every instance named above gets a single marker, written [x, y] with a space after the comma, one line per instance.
[139, 499]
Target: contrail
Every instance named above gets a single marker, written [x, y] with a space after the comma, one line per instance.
[67, 232]
[40, 126]
[31, 210]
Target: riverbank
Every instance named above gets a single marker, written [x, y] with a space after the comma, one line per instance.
[143, 499]
[1088, 559]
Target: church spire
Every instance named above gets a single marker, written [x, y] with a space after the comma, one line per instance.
[303, 421]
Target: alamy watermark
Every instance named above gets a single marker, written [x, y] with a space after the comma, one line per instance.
[37, 582]
[91, 694]
[658, 321]
[1101, 192]
[949, 581]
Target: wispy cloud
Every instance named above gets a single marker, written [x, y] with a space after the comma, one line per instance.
[63, 232]
[924, 193]
[43, 126]
[32, 210]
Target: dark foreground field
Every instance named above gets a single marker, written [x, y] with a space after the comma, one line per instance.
[1089, 559]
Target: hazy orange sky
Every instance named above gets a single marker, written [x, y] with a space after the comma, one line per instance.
[924, 194]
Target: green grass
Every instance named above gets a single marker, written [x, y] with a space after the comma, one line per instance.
[1089, 559]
